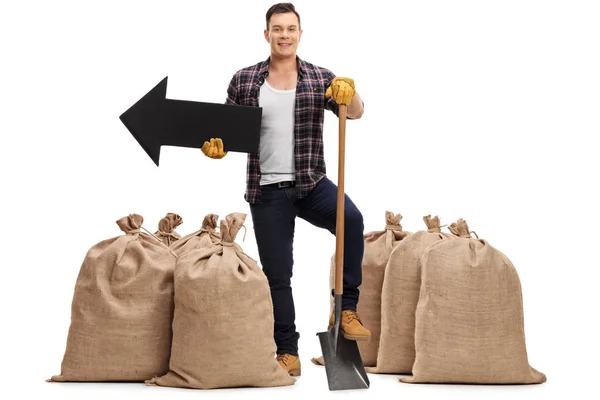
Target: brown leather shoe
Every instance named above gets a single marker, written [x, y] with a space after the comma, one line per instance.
[351, 326]
[290, 363]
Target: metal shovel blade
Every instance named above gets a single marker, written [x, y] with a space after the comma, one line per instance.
[343, 363]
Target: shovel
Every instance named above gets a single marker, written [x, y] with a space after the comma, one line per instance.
[343, 364]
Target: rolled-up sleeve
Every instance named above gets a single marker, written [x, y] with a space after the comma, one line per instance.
[330, 104]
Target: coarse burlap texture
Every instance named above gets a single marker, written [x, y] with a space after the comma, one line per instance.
[378, 247]
[399, 298]
[223, 322]
[166, 228]
[469, 318]
[205, 236]
[122, 309]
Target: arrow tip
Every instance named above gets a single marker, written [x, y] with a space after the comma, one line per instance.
[144, 120]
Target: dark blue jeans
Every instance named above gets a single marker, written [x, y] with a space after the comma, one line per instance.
[274, 221]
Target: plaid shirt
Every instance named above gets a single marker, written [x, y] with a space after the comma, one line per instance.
[309, 113]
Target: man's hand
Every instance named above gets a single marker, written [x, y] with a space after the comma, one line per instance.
[342, 90]
[214, 149]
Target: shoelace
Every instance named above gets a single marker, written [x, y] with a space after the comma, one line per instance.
[350, 315]
[283, 357]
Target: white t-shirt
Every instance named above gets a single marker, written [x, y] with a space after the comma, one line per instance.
[277, 162]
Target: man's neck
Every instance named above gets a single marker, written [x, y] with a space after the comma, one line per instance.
[283, 65]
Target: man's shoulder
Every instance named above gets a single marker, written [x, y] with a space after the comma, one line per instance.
[247, 75]
[252, 69]
[318, 72]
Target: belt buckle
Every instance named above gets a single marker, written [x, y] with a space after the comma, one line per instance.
[284, 184]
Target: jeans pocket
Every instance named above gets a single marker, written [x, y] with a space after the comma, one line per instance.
[291, 194]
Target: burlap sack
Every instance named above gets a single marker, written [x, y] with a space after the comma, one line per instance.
[122, 309]
[166, 229]
[205, 236]
[223, 322]
[378, 247]
[400, 294]
[469, 319]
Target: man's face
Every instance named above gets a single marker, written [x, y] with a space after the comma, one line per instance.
[283, 34]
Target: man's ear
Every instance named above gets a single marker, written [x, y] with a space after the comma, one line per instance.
[300, 36]
[267, 35]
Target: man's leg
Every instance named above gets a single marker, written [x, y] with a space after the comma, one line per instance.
[274, 221]
[320, 209]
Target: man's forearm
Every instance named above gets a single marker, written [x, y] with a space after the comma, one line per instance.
[356, 107]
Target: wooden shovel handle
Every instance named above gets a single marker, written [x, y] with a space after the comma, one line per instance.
[339, 228]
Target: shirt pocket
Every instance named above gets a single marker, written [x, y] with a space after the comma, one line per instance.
[249, 95]
[316, 93]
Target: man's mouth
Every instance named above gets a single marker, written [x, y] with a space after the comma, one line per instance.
[285, 44]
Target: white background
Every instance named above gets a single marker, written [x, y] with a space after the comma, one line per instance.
[482, 110]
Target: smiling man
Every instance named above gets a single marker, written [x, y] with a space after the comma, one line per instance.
[287, 177]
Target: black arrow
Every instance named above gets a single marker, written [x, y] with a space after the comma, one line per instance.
[156, 121]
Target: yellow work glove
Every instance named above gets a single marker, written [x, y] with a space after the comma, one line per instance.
[214, 149]
[341, 90]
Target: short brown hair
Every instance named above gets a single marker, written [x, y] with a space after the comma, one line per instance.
[281, 8]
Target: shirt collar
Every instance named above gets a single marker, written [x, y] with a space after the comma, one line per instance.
[264, 69]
